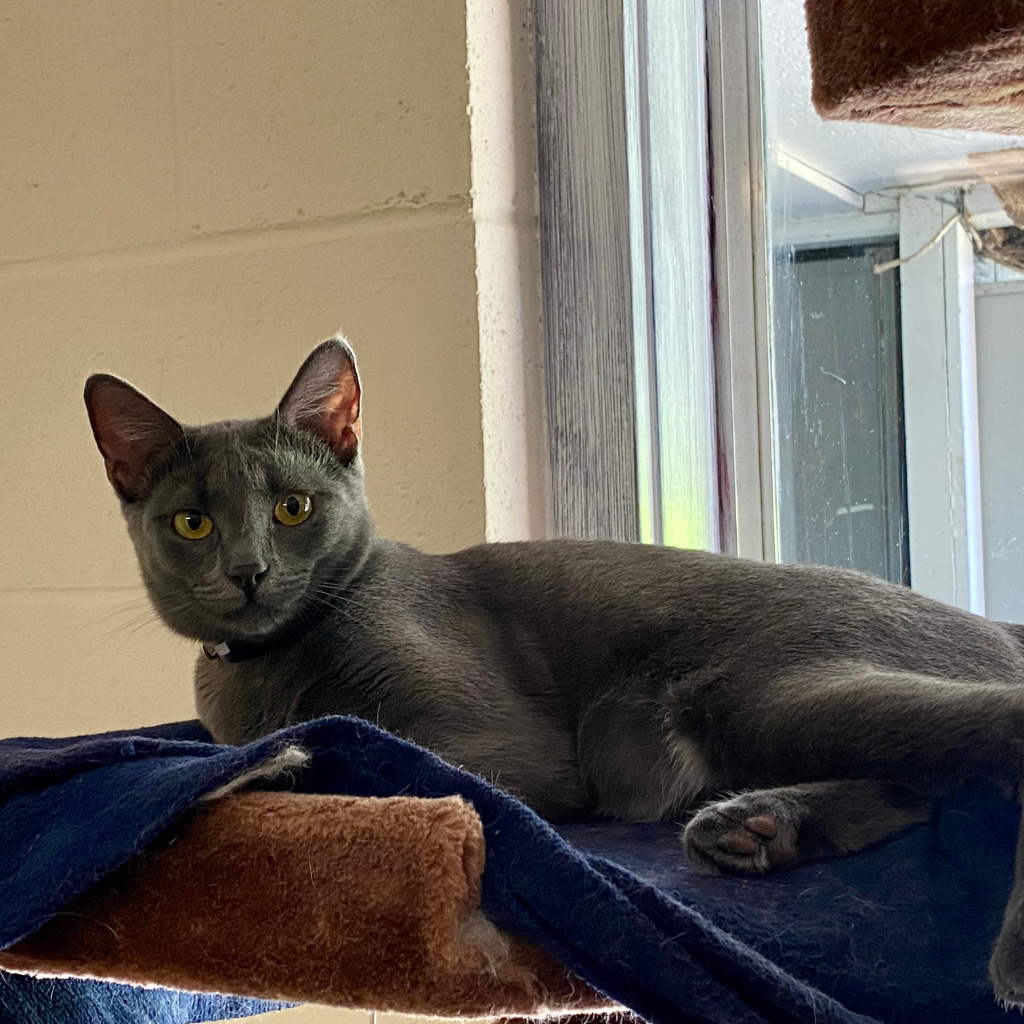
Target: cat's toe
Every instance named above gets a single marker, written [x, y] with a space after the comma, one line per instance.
[732, 836]
[1006, 969]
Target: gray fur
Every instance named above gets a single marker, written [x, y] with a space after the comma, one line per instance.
[588, 678]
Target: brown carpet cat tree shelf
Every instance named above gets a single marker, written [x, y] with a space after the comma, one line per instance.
[350, 901]
[925, 64]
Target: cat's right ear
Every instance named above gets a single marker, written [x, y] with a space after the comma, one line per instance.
[325, 398]
[134, 436]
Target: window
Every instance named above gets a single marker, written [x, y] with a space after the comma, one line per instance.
[807, 391]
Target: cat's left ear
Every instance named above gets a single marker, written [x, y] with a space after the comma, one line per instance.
[324, 399]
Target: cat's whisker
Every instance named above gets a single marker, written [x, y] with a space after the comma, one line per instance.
[132, 624]
[127, 617]
[327, 586]
[338, 598]
[331, 604]
[131, 604]
[326, 602]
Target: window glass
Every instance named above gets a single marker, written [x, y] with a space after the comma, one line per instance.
[891, 383]
[666, 102]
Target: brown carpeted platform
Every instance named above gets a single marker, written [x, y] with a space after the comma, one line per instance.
[362, 903]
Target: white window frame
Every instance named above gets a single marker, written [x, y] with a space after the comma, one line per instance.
[741, 276]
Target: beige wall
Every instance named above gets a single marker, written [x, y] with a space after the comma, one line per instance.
[193, 194]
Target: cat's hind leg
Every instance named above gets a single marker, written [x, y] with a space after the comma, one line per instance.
[852, 720]
[763, 829]
[634, 766]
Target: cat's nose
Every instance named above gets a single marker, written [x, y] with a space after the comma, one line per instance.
[247, 577]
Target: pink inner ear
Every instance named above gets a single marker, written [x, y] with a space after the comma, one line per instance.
[339, 416]
[324, 398]
[334, 415]
[132, 434]
[343, 405]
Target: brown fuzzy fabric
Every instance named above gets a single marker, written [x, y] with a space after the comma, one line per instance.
[362, 903]
[929, 64]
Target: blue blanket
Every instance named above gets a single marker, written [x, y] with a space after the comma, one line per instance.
[899, 933]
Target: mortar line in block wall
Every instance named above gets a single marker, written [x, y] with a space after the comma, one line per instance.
[388, 216]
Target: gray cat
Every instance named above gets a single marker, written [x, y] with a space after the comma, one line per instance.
[588, 678]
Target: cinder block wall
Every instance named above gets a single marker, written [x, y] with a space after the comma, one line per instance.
[192, 194]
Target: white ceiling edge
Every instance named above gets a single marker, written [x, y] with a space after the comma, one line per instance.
[846, 226]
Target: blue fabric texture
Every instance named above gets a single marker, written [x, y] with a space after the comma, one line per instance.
[899, 933]
[25, 1000]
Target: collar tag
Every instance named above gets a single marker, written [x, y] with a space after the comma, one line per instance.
[214, 651]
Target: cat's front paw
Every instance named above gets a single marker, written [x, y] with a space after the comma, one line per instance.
[746, 834]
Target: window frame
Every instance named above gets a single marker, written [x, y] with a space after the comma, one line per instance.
[601, 346]
[586, 287]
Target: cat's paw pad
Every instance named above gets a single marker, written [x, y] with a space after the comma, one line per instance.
[1006, 969]
[740, 835]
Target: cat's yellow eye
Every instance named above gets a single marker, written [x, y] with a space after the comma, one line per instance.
[294, 509]
[192, 525]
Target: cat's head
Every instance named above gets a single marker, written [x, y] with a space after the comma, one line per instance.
[241, 527]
